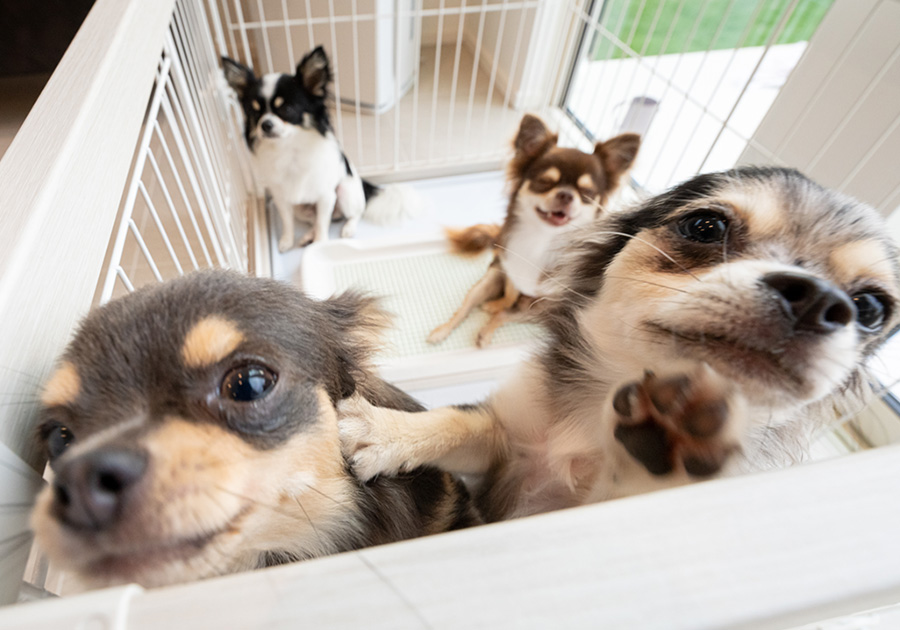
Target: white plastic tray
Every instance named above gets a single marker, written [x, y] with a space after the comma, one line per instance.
[422, 284]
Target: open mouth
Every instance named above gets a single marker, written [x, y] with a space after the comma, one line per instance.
[553, 217]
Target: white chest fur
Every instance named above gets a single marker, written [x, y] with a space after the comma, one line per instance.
[531, 250]
[299, 167]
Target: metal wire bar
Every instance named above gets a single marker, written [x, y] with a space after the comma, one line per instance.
[131, 195]
[136, 233]
[476, 57]
[265, 36]
[184, 198]
[772, 38]
[173, 210]
[159, 225]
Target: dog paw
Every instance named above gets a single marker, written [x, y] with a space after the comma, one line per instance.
[681, 422]
[348, 230]
[484, 337]
[285, 243]
[439, 334]
[370, 439]
[307, 238]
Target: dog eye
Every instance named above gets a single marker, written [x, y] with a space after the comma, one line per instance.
[870, 310]
[58, 439]
[248, 383]
[704, 227]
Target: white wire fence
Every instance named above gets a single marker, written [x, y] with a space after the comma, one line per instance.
[695, 77]
[420, 83]
[186, 204]
[442, 83]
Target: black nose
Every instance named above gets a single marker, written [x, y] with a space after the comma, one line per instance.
[267, 126]
[564, 197]
[814, 304]
[89, 491]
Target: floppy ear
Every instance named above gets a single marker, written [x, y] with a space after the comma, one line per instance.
[617, 154]
[237, 74]
[314, 73]
[533, 138]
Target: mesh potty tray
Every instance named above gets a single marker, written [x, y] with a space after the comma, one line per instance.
[421, 283]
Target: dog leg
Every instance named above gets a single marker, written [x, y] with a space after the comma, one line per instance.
[324, 212]
[525, 306]
[349, 228]
[685, 422]
[489, 286]
[496, 321]
[376, 440]
[510, 297]
[351, 202]
[286, 214]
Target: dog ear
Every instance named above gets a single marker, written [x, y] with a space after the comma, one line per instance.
[533, 138]
[238, 75]
[617, 154]
[314, 72]
[356, 324]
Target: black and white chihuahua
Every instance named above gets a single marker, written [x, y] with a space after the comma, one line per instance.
[297, 157]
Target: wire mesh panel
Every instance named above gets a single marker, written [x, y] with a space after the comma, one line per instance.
[426, 83]
[696, 77]
[186, 204]
[419, 83]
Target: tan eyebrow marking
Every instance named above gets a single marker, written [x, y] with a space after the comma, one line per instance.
[862, 259]
[209, 341]
[278, 101]
[63, 387]
[585, 181]
[255, 106]
[551, 173]
[760, 210]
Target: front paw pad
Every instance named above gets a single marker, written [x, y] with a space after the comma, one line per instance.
[676, 422]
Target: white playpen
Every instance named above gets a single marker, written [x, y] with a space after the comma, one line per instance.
[131, 169]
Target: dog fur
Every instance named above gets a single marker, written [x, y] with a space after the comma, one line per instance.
[714, 329]
[553, 191]
[297, 157]
[192, 432]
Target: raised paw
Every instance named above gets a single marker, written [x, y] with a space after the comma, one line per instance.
[370, 439]
[678, 422]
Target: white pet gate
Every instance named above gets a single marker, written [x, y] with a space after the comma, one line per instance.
[131, 169]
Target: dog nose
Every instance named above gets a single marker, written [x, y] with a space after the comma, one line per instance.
[814, 304]
[89, 490]
[267, 126]
[564, 197]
